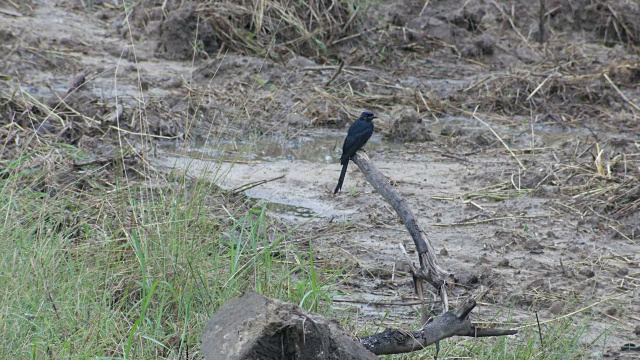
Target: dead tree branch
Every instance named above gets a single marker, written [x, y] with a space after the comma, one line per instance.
[449, 324]
[430, 270]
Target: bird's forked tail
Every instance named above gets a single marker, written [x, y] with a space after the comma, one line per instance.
[341, 180]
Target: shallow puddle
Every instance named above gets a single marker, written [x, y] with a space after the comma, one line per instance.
[292, 167]
[319, 146]
[261, 159]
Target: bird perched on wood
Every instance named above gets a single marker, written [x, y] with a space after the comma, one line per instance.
[358, 135]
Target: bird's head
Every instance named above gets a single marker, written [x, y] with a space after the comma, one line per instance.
[367, 116]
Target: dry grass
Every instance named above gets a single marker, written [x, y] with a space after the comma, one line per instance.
[614, 197]
[617, 21]
[16, 7]
[49, 151]
[557, 95]
[278, 27]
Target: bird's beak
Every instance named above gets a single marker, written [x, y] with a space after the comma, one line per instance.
[375, 117]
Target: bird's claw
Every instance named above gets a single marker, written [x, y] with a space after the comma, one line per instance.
[365, 155]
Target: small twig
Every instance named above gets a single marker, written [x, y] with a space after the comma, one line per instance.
[598, 161]
[499, 138]
[578, 311]
[490, 220]
[539, 86]
[253, 184]
[621, 93]
[10, 12]
[53, 304]
[513, 26]
[332, 67]
[377, 303]
[352, 36]
[46, 109]
[453, 156]
[335, 74]
[405, 254]
[424, 7]
[539, 331]
[141, 134]
[62, 101]
[426, 105]
[624, 236]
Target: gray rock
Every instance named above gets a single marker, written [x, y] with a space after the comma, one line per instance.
[428, 26]
[533, 246]
[503, 263]
[587, 272]
[255, 327]
[557, 308]
[483, 45]
[300, 62]
[408, 126]
[466, 278]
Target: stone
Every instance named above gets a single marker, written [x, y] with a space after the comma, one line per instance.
[557, 308]
[255, 327]
[503, 263]
[408, 126]
[586, 272]
[467, 278]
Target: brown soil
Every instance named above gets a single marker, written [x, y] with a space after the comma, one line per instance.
[551, 226]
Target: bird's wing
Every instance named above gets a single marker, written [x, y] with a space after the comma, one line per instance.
[349, 147]
[365, 133]
[349, 142]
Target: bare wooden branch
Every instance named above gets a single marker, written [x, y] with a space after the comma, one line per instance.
[542, 13]
[430, 270]
[455, 323]
[448, 324]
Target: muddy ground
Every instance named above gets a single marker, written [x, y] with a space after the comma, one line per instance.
[521, 159]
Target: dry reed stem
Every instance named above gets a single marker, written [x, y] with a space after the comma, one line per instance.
[500, 139]
[583, 309]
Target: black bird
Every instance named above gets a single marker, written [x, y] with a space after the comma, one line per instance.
[358, 135]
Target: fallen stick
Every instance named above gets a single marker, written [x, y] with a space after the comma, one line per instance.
[253, 184]
[455, 323]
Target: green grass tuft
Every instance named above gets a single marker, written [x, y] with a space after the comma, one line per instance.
[135, 271]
